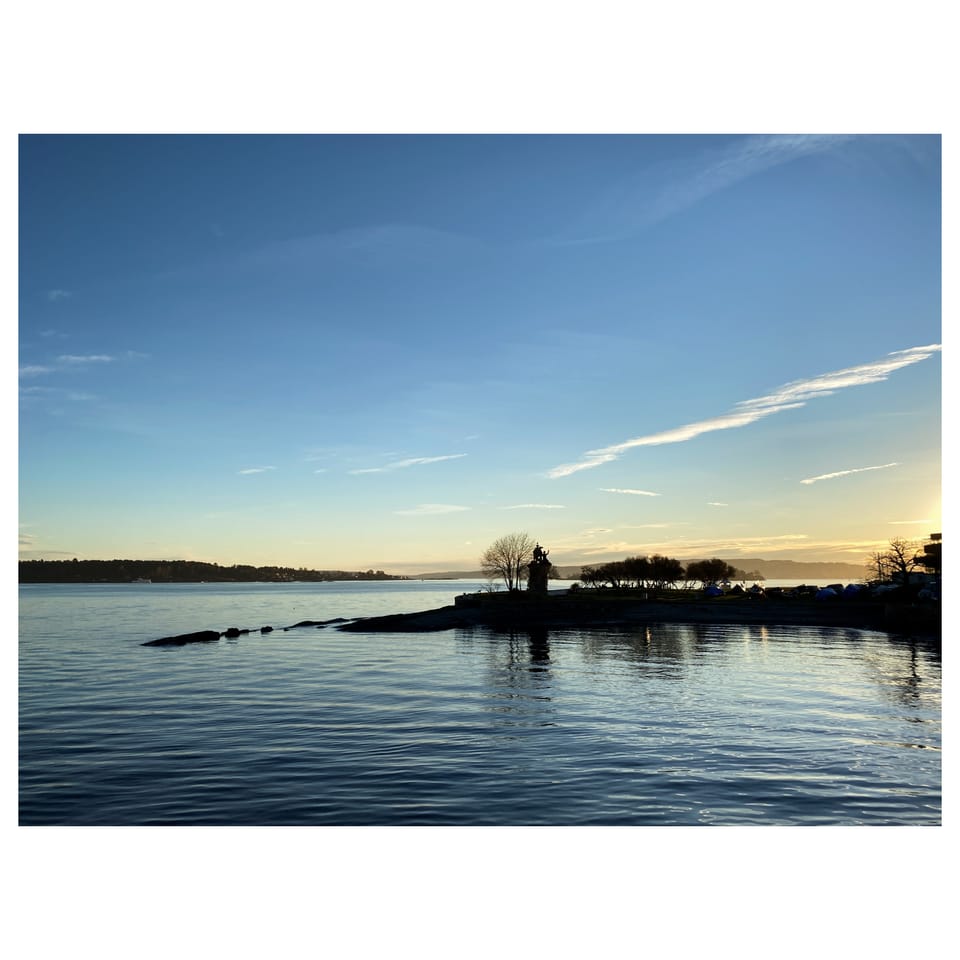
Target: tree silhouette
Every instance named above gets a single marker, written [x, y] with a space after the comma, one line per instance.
[710, 571]
[878, 564]
[901, 557]
[507, 557]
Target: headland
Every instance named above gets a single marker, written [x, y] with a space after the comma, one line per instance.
[586, 609]
[598, 609]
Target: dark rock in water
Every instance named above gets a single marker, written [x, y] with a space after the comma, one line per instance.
[201, 636]
[444, 618]
[315, 623]
[234, 632]
[266, 629]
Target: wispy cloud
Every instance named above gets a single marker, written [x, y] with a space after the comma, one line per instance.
[55, 393]
[903, 522]
[73, 359]
[653, 195]
[535, 506]
[54, 295]
[716, 503]
[387, 241]
[788, 397]
[847, 473]
[635, 493]
[249, 470]
[410, 462]
[431, 510]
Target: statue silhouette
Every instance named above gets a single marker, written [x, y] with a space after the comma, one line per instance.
[538, 571]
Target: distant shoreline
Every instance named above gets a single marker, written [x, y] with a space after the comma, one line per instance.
[195, 571]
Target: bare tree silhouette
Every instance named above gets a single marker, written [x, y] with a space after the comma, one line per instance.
[507, 557]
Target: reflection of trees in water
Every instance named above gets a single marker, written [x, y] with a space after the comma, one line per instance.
[525, 657]
[908, 672]
[662, 649]
[520, 676]
[519, 680]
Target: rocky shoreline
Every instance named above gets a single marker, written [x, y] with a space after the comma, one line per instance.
[523, 611]
[558, 612]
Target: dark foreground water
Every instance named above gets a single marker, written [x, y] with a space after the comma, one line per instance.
[669, 724]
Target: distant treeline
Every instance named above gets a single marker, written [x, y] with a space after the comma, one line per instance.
[177, 571]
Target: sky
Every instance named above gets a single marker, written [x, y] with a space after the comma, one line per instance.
[385, 351]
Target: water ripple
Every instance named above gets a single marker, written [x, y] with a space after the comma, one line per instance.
[666, 724]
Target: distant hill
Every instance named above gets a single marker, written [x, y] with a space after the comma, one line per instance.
[450, 575]
[771, 570]
[802, 569]
[567, 573]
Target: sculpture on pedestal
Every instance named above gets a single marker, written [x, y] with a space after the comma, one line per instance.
[538, 571]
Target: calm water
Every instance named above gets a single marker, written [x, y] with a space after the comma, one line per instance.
[669, 724]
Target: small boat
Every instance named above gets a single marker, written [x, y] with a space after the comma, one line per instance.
[141, 580]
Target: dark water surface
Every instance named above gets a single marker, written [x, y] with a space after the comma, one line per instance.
[667, 724]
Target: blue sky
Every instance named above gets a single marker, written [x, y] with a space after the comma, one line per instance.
[386, 351]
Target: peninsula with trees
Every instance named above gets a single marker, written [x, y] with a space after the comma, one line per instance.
[906, 597]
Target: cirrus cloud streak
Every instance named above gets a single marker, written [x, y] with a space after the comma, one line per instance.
[846, 473]
[431, 510]
[535, 506]
[635, 493]
[788, 397]
[70, 358]
[410, 462]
